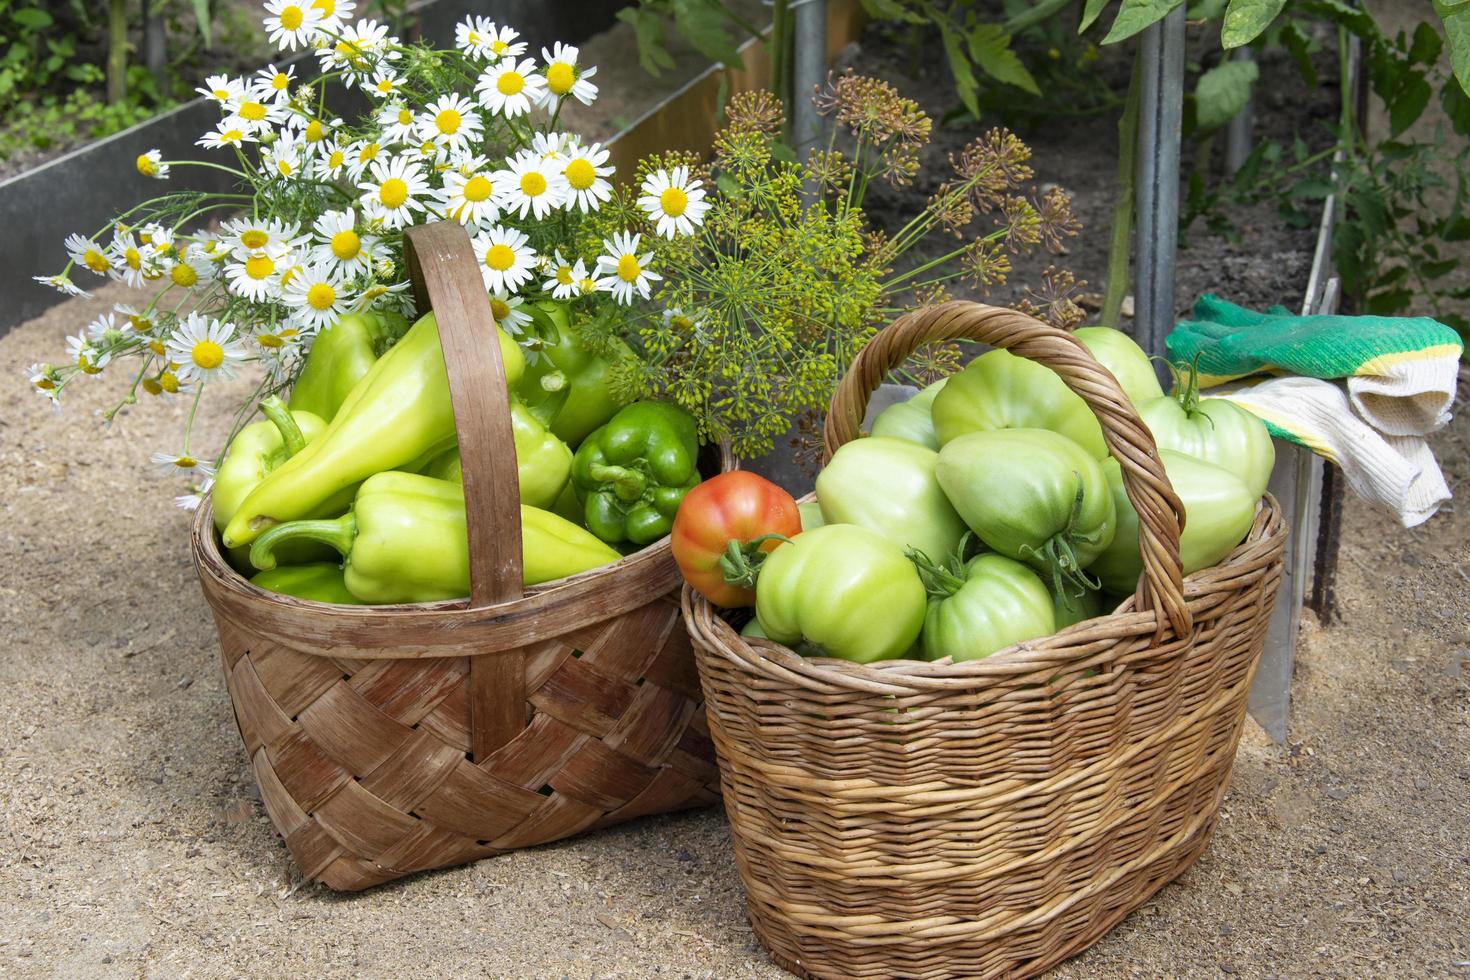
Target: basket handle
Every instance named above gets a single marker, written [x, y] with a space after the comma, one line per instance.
[446, 279]
[1160, 514]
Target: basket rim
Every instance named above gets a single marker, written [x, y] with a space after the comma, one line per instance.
[1203, 590]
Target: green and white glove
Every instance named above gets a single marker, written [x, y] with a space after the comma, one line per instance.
[1400, 372]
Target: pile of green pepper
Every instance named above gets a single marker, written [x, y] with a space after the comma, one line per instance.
[353, 494]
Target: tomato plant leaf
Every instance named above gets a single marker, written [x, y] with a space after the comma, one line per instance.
[1409, 104]
[1135, 15]
[959, 66]
[1091, 11]
[990, 48]
[649, 33]
[891, 10]
[1298, 45]
[1455, 15]
[1246, 19]
[1222, 92]
[704, 25]
[1456, 106]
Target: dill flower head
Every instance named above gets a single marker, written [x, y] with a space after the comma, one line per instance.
[755, 112]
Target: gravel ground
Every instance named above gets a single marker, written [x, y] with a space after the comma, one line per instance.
[133, 843]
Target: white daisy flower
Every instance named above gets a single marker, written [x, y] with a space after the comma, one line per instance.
[622, 271]
[384, 84]
[503, 43]
[196, 494]
[257, 276]
[44, 380]
[129, 263]
[586, 172]
[450, 121]
[85, 355]
[552, 146]
[340, 243]
[397, 122]
[229, 132]
[564, 79]
[291, 22]
[151, 164]
[192, 269]
[391, 195]
[318, 295]
[469, 193]
[473, 36]
[331, 161]
[361, 48]
[509, 88]
[315, 132]
[104, 330]
[273, 84]
[532, 184]
[284, 159]
[158, 238]
[335, 12]
[178, 464]
[85, 252]
[674, 201]
[563, 276]
[381, 295]
[278, 339]
[508, 313]
[222, 88]
[506, 260]
[244, 237]
[204, 348]
[255, 115]
[360, 156]
[62, 284]
[138, 321]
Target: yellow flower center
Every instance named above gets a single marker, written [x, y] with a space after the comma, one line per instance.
[232, 136]
[533, 184]
[404, 117]
[500, 257]
[345, 244]
[315, 131]
[169, 382]
[133, 258]
[580, 175]
[428, 148]
[254, 238]
[560, 77]
[498, 46]
[156, 346]
[564, 275]
[207, 354]
[369, 152]
[334, 160]
[285, 167]
[185, 462]
[253, 111]
[510, 83]
[327, 7]
[145, 237]
[384, 86]
[673, 201]
[321, 296]
[259, 267]
[477, 188]
[269, 341]
[95, 260]
[139, 323]
[289, 274]
[183, 274]
[628, 268]
[291, 18]
[152, 386]
[280, 81]
[221, 93]
[447, 122]
[146, 166]
[393, 192]
[86, 365]
[499, 308]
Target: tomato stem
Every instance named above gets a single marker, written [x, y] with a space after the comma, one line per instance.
[742, 560]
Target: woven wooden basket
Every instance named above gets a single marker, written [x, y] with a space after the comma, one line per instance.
[392, 739]
[989, 818]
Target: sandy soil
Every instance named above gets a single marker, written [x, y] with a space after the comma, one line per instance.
[133, 843]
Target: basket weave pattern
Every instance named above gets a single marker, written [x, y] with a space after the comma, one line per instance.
[994, 817]
[393, 739]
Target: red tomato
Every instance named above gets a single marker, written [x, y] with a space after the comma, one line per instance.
[735, 506]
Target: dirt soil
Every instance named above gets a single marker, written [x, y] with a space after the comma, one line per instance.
[133, 843]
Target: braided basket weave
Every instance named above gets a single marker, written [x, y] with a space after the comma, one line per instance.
[988, 818]
[392, 739]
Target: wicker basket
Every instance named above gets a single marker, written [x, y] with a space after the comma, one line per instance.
[392, 739]
[989, 818]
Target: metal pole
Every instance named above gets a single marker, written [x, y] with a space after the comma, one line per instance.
[155, 40]
[1238, 130]
[809, 71]
[1160, 118]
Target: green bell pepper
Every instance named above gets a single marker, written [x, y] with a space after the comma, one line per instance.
[257, 450]
[632, 473]
[319, 581]
[566, 387]
[405, 540]
[399, 413]
[339, 357]
[543, 462]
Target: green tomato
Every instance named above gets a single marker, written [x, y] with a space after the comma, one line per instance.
[999, 603]
[1072, 604]
[911, 420]
[844, 589]
[1215, 431]
[1117, 352]
[999, 390]
[888, 485]
[1218, 510]
[811, 515]
[1031, 495]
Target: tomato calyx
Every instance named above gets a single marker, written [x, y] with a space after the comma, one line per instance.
[742, 560]
[1186, 388]
[1059, 554]
[941, 579]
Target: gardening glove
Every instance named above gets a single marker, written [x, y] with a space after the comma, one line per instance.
[1400, 372]
[1399, 472]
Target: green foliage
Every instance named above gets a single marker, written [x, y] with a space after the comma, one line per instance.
[1222, 92]
[1455, 15]
[1246, 20]
[1136, 15]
